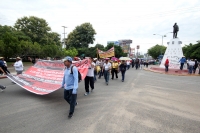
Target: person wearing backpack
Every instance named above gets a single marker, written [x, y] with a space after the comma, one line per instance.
[89, 79]
[70, 84]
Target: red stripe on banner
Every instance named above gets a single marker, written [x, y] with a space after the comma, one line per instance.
[46, 76]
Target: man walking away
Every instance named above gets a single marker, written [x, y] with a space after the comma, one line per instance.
[114, 70]
[106, 69]
[89, 79]
[195, 66]
[133, 63]
[128, 64]
[70, 84]
[191, 64]
[101, 66]
[136, 63]
[166, 65]
[123, 69]
[182, 61]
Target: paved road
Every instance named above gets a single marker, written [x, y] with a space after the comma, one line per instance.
[145, 103]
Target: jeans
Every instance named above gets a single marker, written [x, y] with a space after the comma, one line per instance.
[166, 68]
[89, 80]
[136, 66]
[71, 99]
[181, 67]
[128, 66]
[95, 74]
[190, 69]
[123, 75]
[106, 75]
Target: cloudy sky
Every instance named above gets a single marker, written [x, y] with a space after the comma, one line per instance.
[113, 20]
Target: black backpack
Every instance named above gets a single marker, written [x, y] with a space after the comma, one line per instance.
[79, 74]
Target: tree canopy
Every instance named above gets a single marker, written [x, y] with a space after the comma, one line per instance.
[156, 50]
[81, 36]
[192, 50]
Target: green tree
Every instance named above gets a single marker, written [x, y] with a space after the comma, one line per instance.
[81, 36]
[50, 50]
[35, 28]
[156, 50]
[71, 52]
[192, 50]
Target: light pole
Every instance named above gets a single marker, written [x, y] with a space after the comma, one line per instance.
[162, 39]
[64, 35]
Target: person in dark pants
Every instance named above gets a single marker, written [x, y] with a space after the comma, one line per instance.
[166, 65]
[195, 66]
[1, 86]
[147, 64]
[123, 69]
[89, 79]
[114, 69]
[133, 63]
[70, 84]
[136, 63]
[101, 73]
[182, 61]
[199, 67]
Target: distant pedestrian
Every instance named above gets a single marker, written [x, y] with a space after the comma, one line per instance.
[31, 60]
[191, 64]
[122, 68]
[133, 63]
[199, 68]
[70, 84]
[128, 64]
[89, 79]
[147, 64]
[182, 61]
[166, 65]
[114, 70]
[141, 64]
[106, 69]
[195, 66]
[19, 67]
[136, 63]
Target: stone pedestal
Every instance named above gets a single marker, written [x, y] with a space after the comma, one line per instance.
[174, 53]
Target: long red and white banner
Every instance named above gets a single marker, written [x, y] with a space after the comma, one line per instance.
[46, 76]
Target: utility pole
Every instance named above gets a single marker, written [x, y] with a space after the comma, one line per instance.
[64, 35]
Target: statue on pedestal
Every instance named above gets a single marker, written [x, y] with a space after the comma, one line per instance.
[175, 31]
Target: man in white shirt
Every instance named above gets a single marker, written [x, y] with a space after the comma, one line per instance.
[89, 79]
[107, 68]
[18, 66]
[190, 65]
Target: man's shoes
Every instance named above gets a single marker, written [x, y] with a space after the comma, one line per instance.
[92, 90]
[70, 115]
[106, 83]
[122, 80]
[87, 93]
[2, 89]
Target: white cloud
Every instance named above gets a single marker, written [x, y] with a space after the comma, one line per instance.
[113, 19]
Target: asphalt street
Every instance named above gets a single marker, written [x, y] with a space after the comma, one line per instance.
[146, 102]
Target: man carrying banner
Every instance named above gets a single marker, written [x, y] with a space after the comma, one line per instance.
[70, 84]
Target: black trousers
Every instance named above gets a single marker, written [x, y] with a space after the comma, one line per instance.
[181, 67]
[133, 65]
[71, 99]
[114, 71]
[89, 80]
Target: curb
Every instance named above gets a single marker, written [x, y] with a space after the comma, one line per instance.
[168, 73]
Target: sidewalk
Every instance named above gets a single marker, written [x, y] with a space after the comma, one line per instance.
[177, 72]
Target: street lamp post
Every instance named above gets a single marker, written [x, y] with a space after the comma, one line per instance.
[162, 39]
[64, 34]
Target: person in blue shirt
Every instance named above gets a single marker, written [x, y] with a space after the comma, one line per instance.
[182, 61]
[70, 84]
